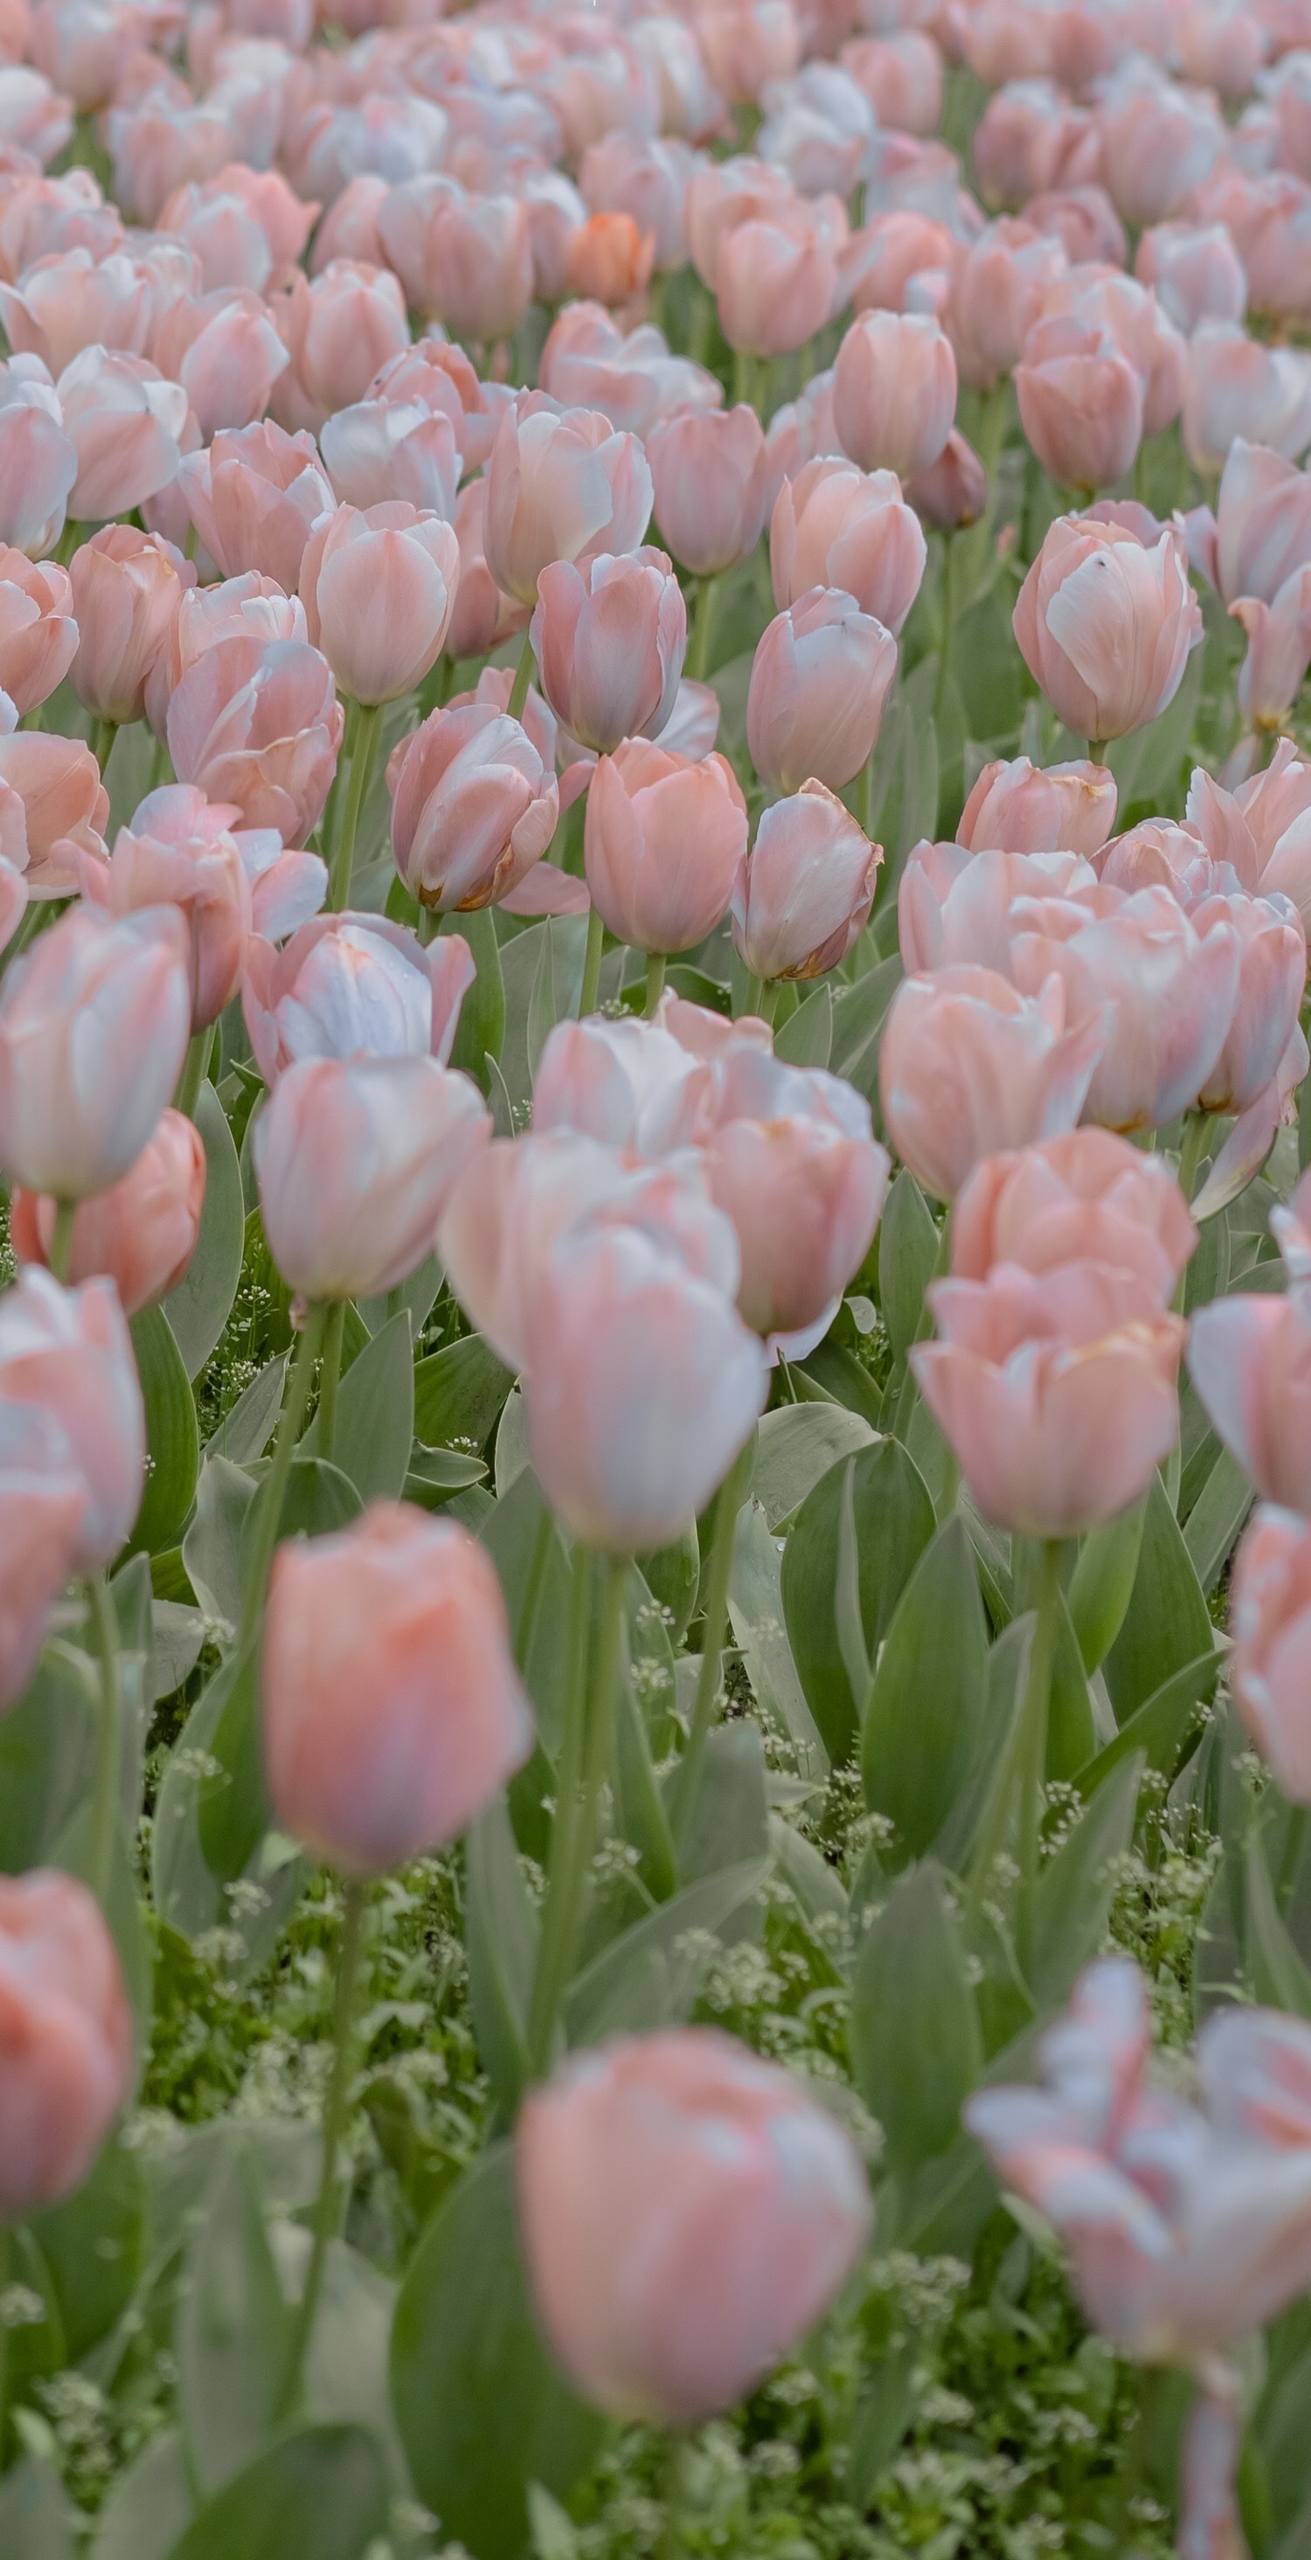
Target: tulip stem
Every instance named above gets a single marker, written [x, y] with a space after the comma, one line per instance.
[523, 676]
[6, 2273]
[273, 1492]
[944, 635]
[194, 1068]
[103, 734]
[336, 2117]
[656, 965]
[330, 1376]
[719, 1574]
[109, 1756]
[703, 623]
[365, 721]
[761, 999]
[1196, 1131]
[61, 1242]
[591, 986]
[578, 1799]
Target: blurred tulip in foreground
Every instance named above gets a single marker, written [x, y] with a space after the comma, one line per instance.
[141, 1233]
[1270, 1667]
[65, 2039]
[69, 1353]
[355, 1160]
[1250, 1359]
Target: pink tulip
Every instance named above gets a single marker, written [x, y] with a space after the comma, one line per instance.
[1250, 1360]
[338, 328]
[355, 1160]
[1271, 1620]
[381, 448]
[250, 606]
[239, 201]
[997, 285]
[71, 299]
[38, 459]
[1238, 388]
[94, 1022]
[43, 1501]
[708, 469]
[1272, 238]
[253, 498]
[1030, 141]
[589, 362]
[1162, 985]
[776, 281]
[748, 43]
[820, 682]
[1263, 829]
[180, 852]
[484, 616]
[353, 986]
[560, 488]
[465, 259]
[902, 77]
[126, 589]
[953, 491]
[1158, 143]
[959, 908]
[66, 2040]
[663, 844]
[894, 391]
[610, 641]
[378, 585]
[474, 806]
[834, 526]
[969, 1067]
[1019, 807]
[792, 1161]
[1195, 271]
[393, 1713]
[1278, 651]
[1105, 624]
[259, 725]
[723, 193]
[1128, 317]
[647, 180]
[226, 352]
[38, 636]
[610, 260]
[899, 261]
[634, 1086]
[140, 1233]
[68, 1353]
[1087, 1197]
[125, 424]
[1080, 403]
[804, 893]
[1263, 523]
[54, 782]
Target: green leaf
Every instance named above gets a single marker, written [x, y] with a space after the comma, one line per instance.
[500, 1935]
[1216, 1519]
[481, 2408]
[1076, 1887]
[481, 1032]
[47, 1757]
[916, 2050]
[908, 1252]
[321, 2491]
[755, 1610]
[93, 2247]
[375, 1415]
[795, 1446]
[319, 1500]
[36, 2519]
[728, 1825]
[650, 1976]
[1279, 1978]
[806, 1038]
[1101, 1586]
[245, 1432]
[211, 1549]
[171, 1434]
[923, 1723]
[149, 2505]
[233, 2334]
[211, 1819]
[1167, 1623]
[854, 1545]
[859, 1013]
[458, 1393]
[199, 1307]
[1157, 1728]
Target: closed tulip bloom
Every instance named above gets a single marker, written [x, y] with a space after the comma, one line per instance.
[126, 590]
[1080, 403]
[748, 43]
[474, 806]
[94, 1023]
[776, 282]
[465, 259]
[610, 639]
[380, 448]
[793, 1162]
[1262, 523]
[710, 474]
[1239, 387]
[1250, 1359]
[141, 1233]
[955, 907]
[253, 497]
[225, 352]
[38, 459]
[1105, 624]
[65, 2041]
[1271, 1622]
[355, 1160]
[1263, 828]
[997, 286]
[353, 986]
[1162, 984]
[1272, 974]
[663, 842]
[338, 327]
[820, 682]
[68, 1352]
[953, 491]
[38, 635]
[393, 1714]
[894, 391]
[378, 585]
[969, 1067]
[1087, 1196]
[641, 1387]
[834, 526]
[259, 725]
[610, 259]
[1278, 651]
[126, 425]
[64, 807]
[805, 891]
[1195, 271]
[632, 1085]
[1020, 807]
[42, 1504]
[180, 853]
[560, 488]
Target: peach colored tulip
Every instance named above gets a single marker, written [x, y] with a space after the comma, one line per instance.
[42, 1504]
[68, 1352]
[1158, 143]
[253, 498]
[1162, 986]
[355, 1159]
[66, 2040]
[1086, 1197]
[969, 1067]
[589, 361]
[748, 43]
[38, 459]
[38, 635]
[250, 606]
[820, 682]
[1238, 387]
[353, 986]
[610, 639]
[953, 491]
[55, 783]
[1250, 1359]
[1271, 1620]
[804, 892]
[894, 391]
[126, 424]
[466, 259]
[1262, 829]
[1030, 142]
[71, 299]
[647, 180]
[338, 328]
[955, 907]
[632, 1085]
[1080, 404]
[259, 725]
[1019, 807]
[1195, 271]
[1128, 315]
[126, 589]
[393, 1713]
[379, 448]
[663, 844]
[1278, 651]
[723, 193]
[1105, 624]
[560, 488]
[220, 217]
[997, 285]
[378, 585]
[474, 806]
[180, 852]
[776, 282]
[77, 1105]
[793, 1162]
[610, 260]
[902, 77]
[709, 473]
[834, 526]
[226, 352]
[140, 1233]
[1262, 523]
[688, 2212]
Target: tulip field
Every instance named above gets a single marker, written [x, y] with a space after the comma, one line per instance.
[655, 1279]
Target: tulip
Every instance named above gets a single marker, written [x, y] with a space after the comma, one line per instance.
[663, 843]
[1127, 317]
[354, 1160]
[902, 76]
[632, 1085]
[1086, 1197]
[393, 1713]
[1239, 389]
[68, 1353]
[748, 43]
[1019, 807]
[820, 682]
[1105, 625]
[1271, 1620]
[180, 853]
[959, 908]
[610, 640]
[378, 585]
[66, 2040]
[38, 459]
[53, 783]
[1158, 143]
[1250, 1360]
[953, 491]
[804, 893]
[473, 807]
[250, 606]
[834, 526]
[997, 285]
[899, 261]
[1263, 829]
[339, 327]
[381, 448]
[589, 363]
[253, 498]
[353, 986]
[226, 353]
[610, 259]
[43, 1502]
[94, 1022]
[1080, 403]
[126, 589]
[38, 636]
[687, 2214]
[259, 725]
[1278, 651]
[465, 259]
[560, 488]
[792, 1161]
[1195, 271]
[140, 1233]
[125, 424]
[1262, 523]
[645, 179]
[709, 474]
[1163, 985]
[776, 283]
[894, 391]
[969, 1067]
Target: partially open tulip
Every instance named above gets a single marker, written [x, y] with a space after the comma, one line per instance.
[38, 459]
[65, 2040]
[38, 634]
[339, 327]
[1088, 1197]
[43, 1500]
[663, 843]
[1262, 523]
[354, 1161]
[474, 806]
[1250, 1359]
[94, 1023]
[804, 892]
[710, 476]
[1195, 271]
[1080, 403]
[353, 986]
[180, 853]
[1271, 1621]
[126, 590]
[834, 526]
[65, 806]
[69, 1353]
[225, 352]
[259, 725]
[1239, 387]
[610, 639]
[1105, 624]
[392, 448]
[792, 1161]
[378, 585]
[894, 391]
[1263, 828]
[776, 281]
[393, 1713]
[141, 1233]
[1278, 651]
[633, 1085]
[1019, 807]
[560, 488]
[688, 2212]
[997, 285]
[968, 1067]
[253, 497]
[959, 908]
[126, 425]
[820, 682]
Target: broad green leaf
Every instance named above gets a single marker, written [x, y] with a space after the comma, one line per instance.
[859, 1012]
[651, 1975]
[148, 2506]
[37, 2522]
[795, 1446]
[199, 1307]
[93, 2247]
[47, 1758]
[321, 2491]
[1279, 1978]
[1216, 1519]
[1167, 1622]
[245, 1432]
[1076, 1886]
[1101, 1586]
[755, 1610]
[375, 1415]
[1157, 1728]
[233, 2334]
[908, 1252]
[806, 1038]
[211, 1549]
[171, 1433]
[924, 1720]
[458, 1394]
[481, 1031]
[729, 1822]
[211, 1819]
[500, 1935]
[916, 2049]
[854, 1545]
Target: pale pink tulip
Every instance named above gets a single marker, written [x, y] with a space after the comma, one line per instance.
[38, 634]
[609, 640]
[958, 908]
[246, 607]
[560, 488]
[968, 1067]
[253, 498]
[636, 1086]
[709, 473]
[953, 491]
[792, 1161]
[1080, 402]
[820, 682]
[834, 526]
[1263, 828]
[1157, 144]
[474, 806]
[355, 1160]
[748, 43]
[776, 281]
[1271, 1620]
[997, 285]
[259, 725]
[126, 425]
[227, 354]
[902, 77]
[140, 1233]
[1262, 523]
[53, 807]
[894, 391]
[483, 614]
[180, 852]
[1020, 807]
[1105, 624]
[379, 448]
[466, 260]
[1195, 271]
[94, 1023]
[1087, 1197]
[804, 893]
[68, 1353]
[126, 589]
[1250, 1359]
[1162, 986]
[38, 458]
[353, 986]
[1239, 388]
[42, 1504]
[378, 585]
[590, 361]
[338, 327]
[1278, 651]
[664, 841]
[66, 2041]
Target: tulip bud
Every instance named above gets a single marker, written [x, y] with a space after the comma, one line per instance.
[894, 391]
[820, 682]
[473, 807]
[610, 639]
[793, 1162]
[94, 1024]
[69, 1353]
[804, 893]
[834, 526]
[378, 585]
[126, 425]
[776, 282]
[710, 475]
[968, 1067]
[126, 590]
[1080, 403]
[253, 497]
[1020, 807]
[663, 842]
[141, 1233]
[1105, 624]
[354, 1161]
[65, 2039]
[38, 635]
[1270, 1605]
[561, 488]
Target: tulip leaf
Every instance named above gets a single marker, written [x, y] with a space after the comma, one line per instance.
[1102, 1584]
[1216, 1519]
[322, 2490]
[480, 2405]
[859, 1013]
[651, 1975]
[916, 2048]
[458, 1393]
[501, 1934]
[149, 2505]
[480, 1035]
[244, 1433]
[806, 1038]
[211, 1549]
[171, 1433]
[908, 1252]
[36, 2519]
[1075, 1888]
[756, 1616]
[924, 1718]
[854, 1545]
[1167, 1622]
[199, 1307]
[795, 1446]
[1159, 1727]
[47, 1756]
[94, 2247]
[211, 1819]
[233, 2331]
[374, 1429]
[1279, 1978]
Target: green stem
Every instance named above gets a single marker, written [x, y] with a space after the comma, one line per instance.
[523, 676]
[944, 636]
[109, 1749]
[531, 1604]
[573, 1845]
[1025, 1751]
[719, 1571]
[336, 2118]
[1096, 750]
[591, 986]
[273, 1492]
[761, 999]
[365, 722]
[656, 965]
[330, 1377]
[703, 621]
[907, 1391]
[744, 379]
[103, 734]
[194, 1068]
[61, 1242]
